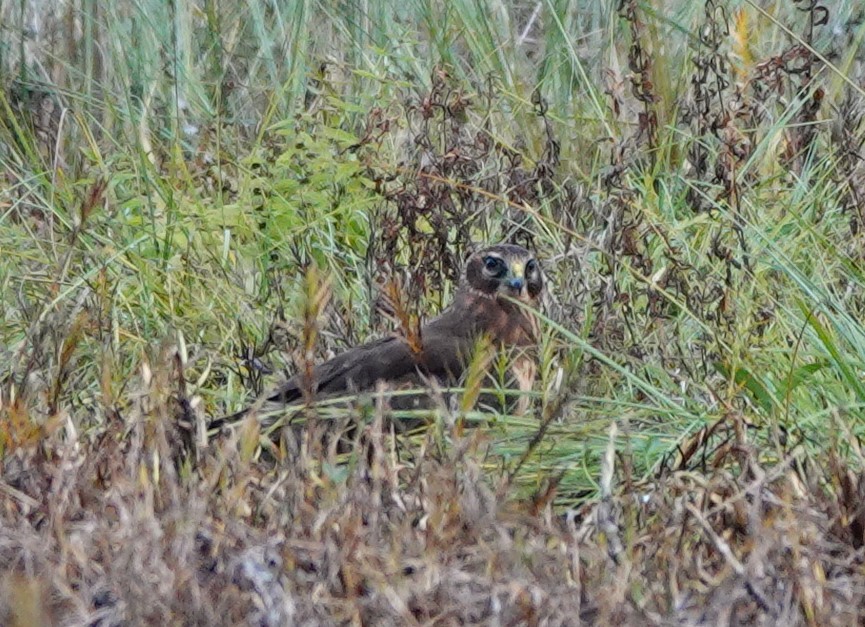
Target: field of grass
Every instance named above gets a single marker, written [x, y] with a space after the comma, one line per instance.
[197, 198]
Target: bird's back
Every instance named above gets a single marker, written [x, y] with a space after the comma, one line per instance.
[483, 304]
[441, 351]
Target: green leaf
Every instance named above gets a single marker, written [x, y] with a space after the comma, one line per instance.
[751, 382]
[340, 136]
[802, 374]
[847, 370]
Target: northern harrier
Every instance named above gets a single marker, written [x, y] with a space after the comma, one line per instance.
[482, 305]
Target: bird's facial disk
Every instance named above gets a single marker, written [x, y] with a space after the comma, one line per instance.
[517, 276]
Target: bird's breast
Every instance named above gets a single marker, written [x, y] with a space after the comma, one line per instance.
[507, 323]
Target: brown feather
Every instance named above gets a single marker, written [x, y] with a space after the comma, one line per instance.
[445, 343]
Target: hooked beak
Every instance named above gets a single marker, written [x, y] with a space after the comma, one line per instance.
[516, 280]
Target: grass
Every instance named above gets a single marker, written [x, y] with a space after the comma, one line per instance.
[198, 197]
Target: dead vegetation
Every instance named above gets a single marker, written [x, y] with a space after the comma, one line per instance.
[130, 527]
[693, 453]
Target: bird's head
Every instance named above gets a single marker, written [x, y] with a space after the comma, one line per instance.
[505, 269]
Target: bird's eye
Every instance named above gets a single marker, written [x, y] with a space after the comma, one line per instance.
[494, 265]
[531, 267]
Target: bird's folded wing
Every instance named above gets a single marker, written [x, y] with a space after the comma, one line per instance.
[388, 359]
[444, 349]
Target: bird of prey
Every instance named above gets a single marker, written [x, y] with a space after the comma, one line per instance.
[492, 279]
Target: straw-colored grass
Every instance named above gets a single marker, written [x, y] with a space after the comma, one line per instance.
[198, 197]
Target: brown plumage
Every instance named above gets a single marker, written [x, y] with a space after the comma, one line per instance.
[446, 343]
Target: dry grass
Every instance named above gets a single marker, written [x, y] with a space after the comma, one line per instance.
[132, 527]
[194, 203]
